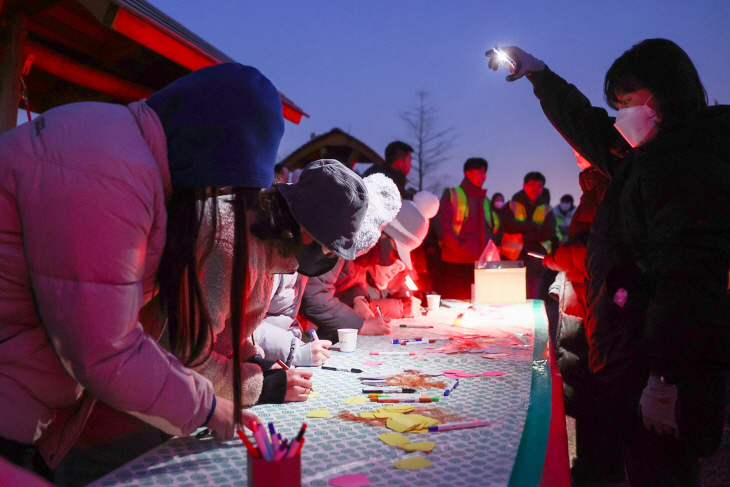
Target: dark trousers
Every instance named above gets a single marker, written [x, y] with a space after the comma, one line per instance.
[457, 282]
[25, 456]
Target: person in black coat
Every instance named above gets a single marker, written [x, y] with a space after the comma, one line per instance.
[658, 254]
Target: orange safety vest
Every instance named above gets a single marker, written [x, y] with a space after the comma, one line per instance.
[461, 211]
[512, 243]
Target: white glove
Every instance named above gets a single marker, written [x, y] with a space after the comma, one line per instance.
[657, 406]
[525, 63]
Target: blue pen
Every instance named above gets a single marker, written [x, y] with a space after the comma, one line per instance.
[274, 438]
[313, 334]
[450, 390]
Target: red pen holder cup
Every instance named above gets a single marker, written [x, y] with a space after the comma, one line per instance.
[284, 473]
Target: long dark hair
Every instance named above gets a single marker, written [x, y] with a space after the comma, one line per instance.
[662, 67]
[276, 224]
[178, 277]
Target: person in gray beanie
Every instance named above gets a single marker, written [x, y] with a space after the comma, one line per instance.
[280, 334]
[350, 295]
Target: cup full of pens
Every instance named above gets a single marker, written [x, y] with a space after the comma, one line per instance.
[273, 461]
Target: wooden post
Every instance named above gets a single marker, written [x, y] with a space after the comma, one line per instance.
[11, 63]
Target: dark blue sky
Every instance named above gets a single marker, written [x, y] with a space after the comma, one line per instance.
[357, 65]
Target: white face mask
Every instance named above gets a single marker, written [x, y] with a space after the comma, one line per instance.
[635, 123]
[565, 207]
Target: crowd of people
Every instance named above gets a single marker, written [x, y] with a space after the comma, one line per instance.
[170, 302]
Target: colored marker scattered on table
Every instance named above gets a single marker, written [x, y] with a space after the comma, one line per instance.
[392, 353]
[342, 369]
[416, 326]
[389, 390]
[533, 254]
[413, 341]
[459, 426]
[384, 399]
[451, 389]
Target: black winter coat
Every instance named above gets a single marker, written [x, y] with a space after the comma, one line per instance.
[659, 251]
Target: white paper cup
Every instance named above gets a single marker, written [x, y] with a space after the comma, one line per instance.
[348, 339]
[433, 300]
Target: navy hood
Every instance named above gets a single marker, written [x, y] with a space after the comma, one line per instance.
[223, 126]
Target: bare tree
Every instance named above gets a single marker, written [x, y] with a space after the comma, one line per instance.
[431, 143]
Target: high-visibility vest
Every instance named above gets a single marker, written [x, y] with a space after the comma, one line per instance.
[512, 243]
[460, 205]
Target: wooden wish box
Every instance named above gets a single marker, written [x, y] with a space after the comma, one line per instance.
[501, 282]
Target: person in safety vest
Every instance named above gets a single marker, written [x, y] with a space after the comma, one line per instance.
[467, 223]
[529, 226]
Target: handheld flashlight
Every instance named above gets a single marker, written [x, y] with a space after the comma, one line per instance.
[504, 57]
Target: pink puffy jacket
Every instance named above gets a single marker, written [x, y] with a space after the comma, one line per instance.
[82, 228]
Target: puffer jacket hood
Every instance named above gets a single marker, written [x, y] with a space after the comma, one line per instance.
[223, 126]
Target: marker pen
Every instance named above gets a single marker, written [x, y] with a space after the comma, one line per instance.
[294, 445]
[392, 353]
[389, 390]
[342, 369]
[396, 395]
[313, 334]
[247, 443]
[413, 399]
[451, 389]
[282, 365]
[416, 326]
[459, 426]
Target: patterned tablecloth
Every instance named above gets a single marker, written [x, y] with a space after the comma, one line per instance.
[334, 447]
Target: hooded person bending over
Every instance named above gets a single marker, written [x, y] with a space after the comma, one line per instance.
[280, 334]
[101, 210]
[361, 294]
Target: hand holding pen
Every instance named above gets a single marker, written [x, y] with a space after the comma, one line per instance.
[319, 349]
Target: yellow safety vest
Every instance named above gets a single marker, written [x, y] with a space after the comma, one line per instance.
[512, 243]
[461, 211]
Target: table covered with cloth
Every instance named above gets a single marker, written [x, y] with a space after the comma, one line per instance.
[526, 445]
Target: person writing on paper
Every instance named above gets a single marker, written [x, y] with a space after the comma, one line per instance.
[340, 298]
[658, 253]
[467, 224]
[305, 227]
[92, 219]
[280, 333]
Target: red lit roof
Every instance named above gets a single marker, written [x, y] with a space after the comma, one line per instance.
[108, 50]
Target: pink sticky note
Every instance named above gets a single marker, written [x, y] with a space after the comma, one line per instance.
[459, 373]
[356, 480]
[493, 373]
[372, 362]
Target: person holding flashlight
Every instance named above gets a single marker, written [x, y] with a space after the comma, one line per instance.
[658, 253]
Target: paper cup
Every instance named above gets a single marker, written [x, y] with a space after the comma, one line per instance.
[348, 339]
[433, 300]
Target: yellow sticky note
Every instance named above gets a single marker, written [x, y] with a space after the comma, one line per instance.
[412, 463]
[314, 394]
[419, 446]
[400, 409]
[394, 439]
[401, 423]
[367, 415]
[318, 413]
[356, 400]
[385, 414]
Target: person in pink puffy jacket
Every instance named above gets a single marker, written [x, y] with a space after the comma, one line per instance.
[100, 210]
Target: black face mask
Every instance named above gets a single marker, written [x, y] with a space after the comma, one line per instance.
[313, 262]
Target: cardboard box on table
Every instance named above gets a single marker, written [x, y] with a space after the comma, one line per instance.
[500, 282]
